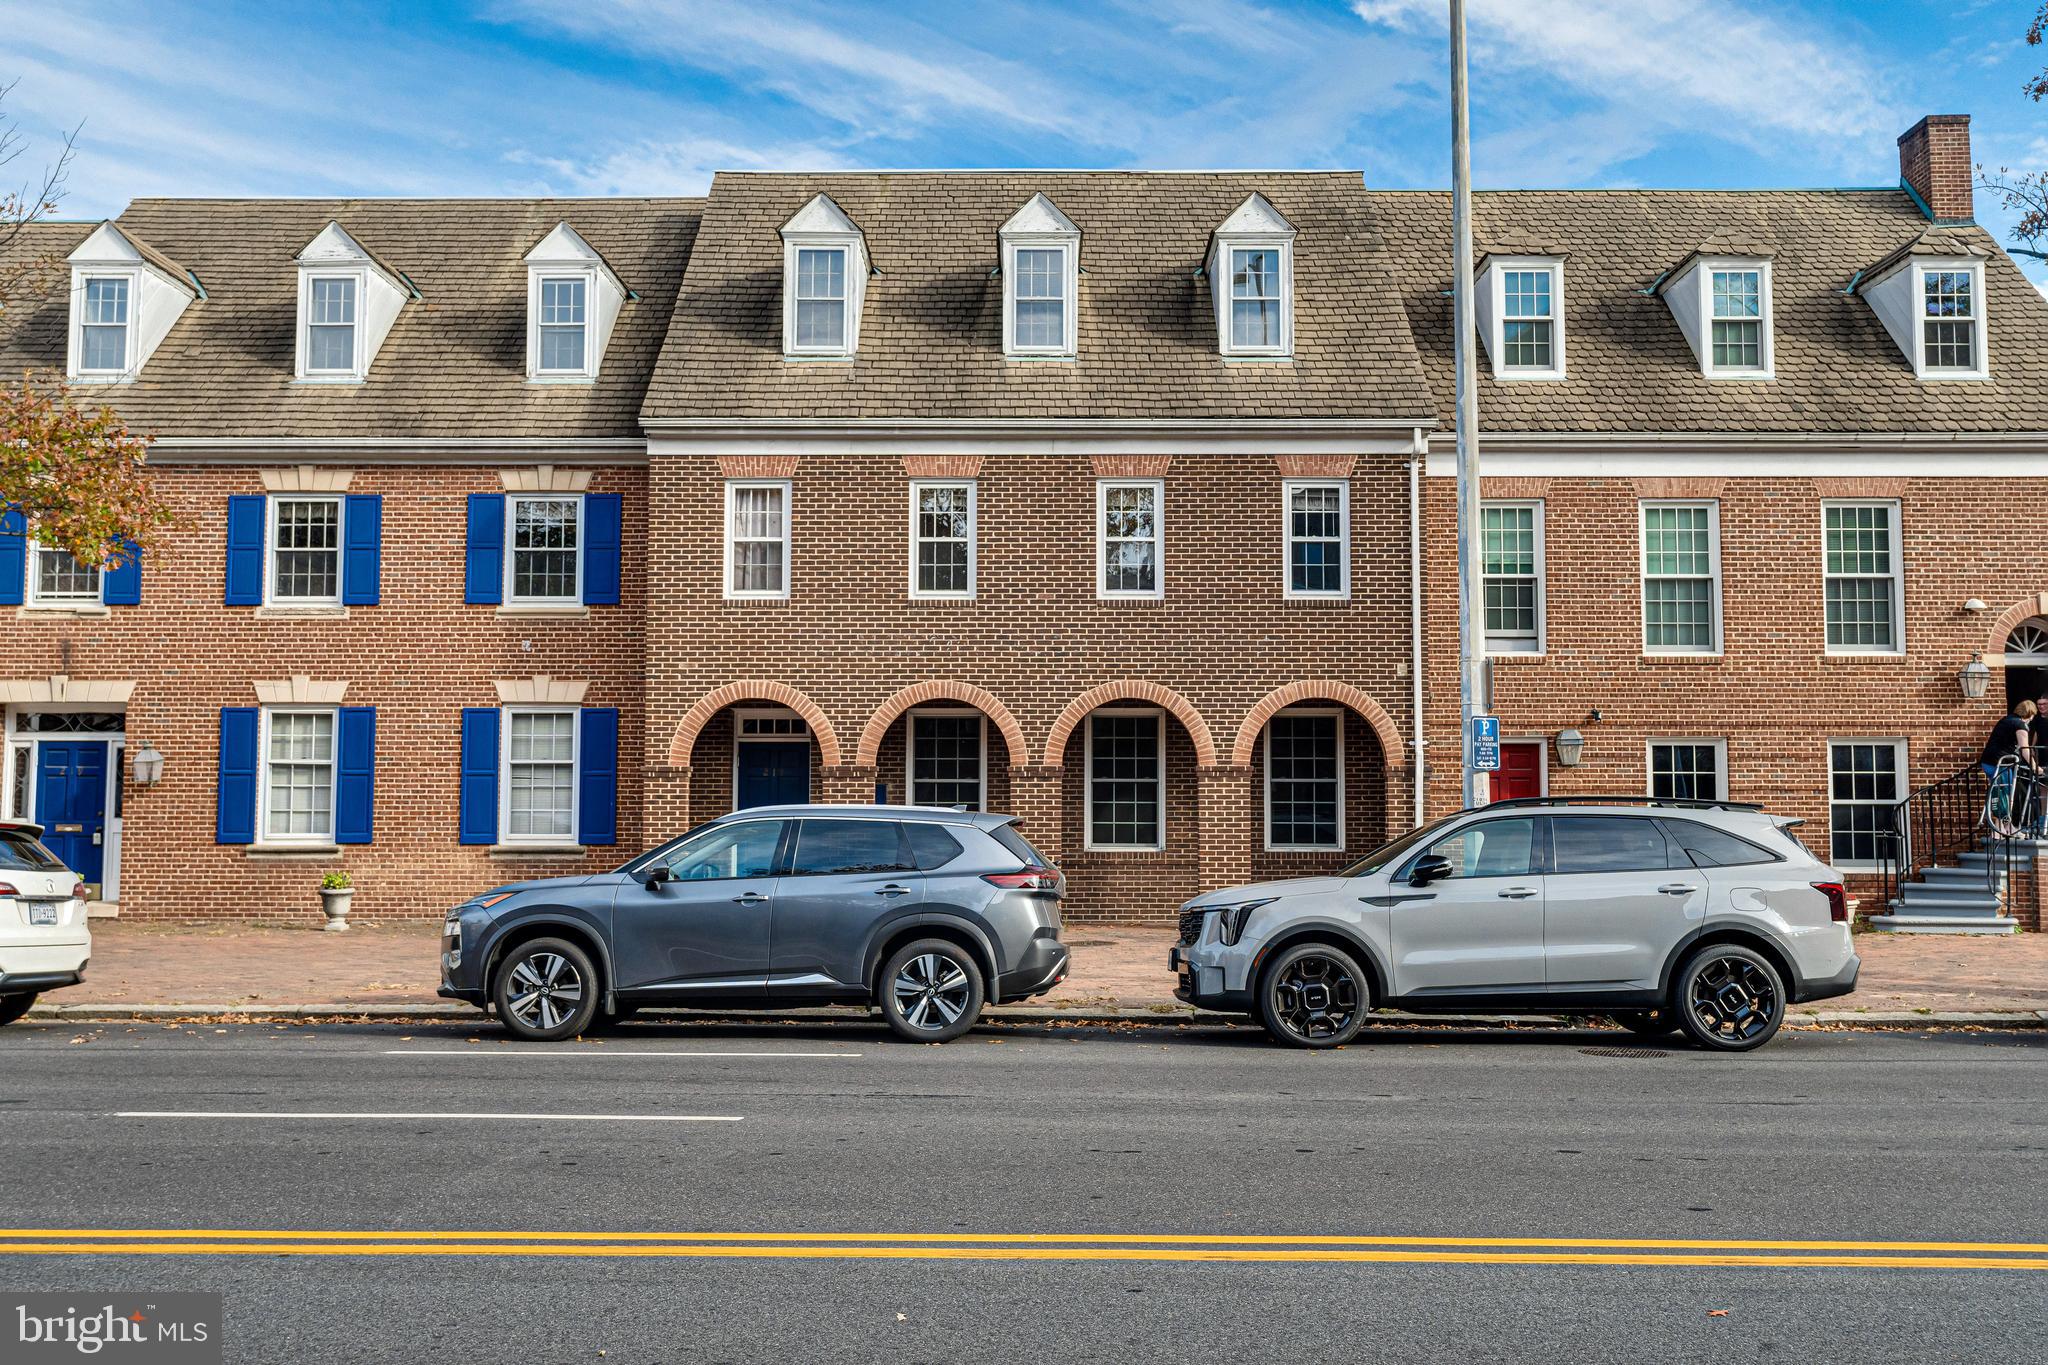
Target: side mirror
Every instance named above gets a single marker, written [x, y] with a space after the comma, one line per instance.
[1434, 868]
[659, 875]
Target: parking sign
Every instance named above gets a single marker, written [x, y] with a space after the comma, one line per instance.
[1486, 744]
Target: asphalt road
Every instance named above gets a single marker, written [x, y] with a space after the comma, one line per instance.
[941, 1177]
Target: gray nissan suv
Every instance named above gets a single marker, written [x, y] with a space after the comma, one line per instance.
[925, 914]
[1694, 916]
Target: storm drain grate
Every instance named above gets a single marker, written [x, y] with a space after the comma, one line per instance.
[1622, 1052]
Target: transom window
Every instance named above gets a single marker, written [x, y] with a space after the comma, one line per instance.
[947, 759]
[1862, 576]
[564, 330]
[540, 775]
[1255, 299]
[1126, 779]
[1866, 780]
[331, 324]
[298, 776]
[305, 550]
[942, 539]
[1318, 539]
[1681, 579]
[59, 579]
[757, 540]
[1305, 780]
[1738, 320]
[1040, 303]
[103, 327]
[772, 725]
[1527, 320]
[1686, 770]
[1127, 539]
[546, 549]
[1511, 545]
[1949, 328]
[821, 299]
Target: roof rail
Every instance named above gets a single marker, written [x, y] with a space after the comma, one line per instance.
[1638, 800]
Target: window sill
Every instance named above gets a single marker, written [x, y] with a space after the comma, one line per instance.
[52, 612]
[536, 850]
[573, 381]
[291, 853]
[1316, 599]
[566, 611]
[343, 380]
[1872, 657]
[1518, 656]
[1276, 358]
[1655, 660]
[283, 613]
[1132, 599]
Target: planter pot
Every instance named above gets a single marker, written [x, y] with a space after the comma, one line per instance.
[334, 904]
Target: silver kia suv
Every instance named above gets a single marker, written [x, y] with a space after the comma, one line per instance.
[1706, 917]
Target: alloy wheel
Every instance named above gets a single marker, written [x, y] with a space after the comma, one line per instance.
[1316, 997]
[931, 991]
[1733, 999]
[546, 990]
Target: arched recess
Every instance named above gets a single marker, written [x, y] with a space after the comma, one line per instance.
[1294, 693]
[733, 694]
[940, 689]
[1131, 689]
[2033, 604]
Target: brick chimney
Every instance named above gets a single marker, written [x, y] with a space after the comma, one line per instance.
[1934, 158]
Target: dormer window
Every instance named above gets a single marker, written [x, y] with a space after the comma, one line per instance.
[564, 325]
[348, 300]
[331, 325]
[824, 279]
[1521, 315]
[125, 295]
[1738, 331]
[1929, 294]
[572, 302]
[103, 329]
[1041, 271]
[1251, 264]
[1948, 340]
[1720, 297]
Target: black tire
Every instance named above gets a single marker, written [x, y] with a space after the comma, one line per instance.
[1728, 998]
[1314, 995]
[546, 989]
[1649, 1023]
[930, 991]
[12, 1007]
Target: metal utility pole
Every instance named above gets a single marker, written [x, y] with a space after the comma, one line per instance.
[1471, 590]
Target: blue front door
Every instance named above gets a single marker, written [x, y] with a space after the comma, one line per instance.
[772, 773]
[71, 803]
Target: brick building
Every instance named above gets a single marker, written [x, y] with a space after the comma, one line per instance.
[520, 534]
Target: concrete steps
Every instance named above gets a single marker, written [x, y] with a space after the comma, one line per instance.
[1967, 897]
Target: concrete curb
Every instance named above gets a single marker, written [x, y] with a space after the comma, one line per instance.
[1179, 1015]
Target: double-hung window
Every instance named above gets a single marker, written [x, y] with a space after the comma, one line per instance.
[1949, 325]
[58, 579]
[1681, 567]
[1862, 575]
[298, 776]
[1256, 300]
[1511, 545]
[546, 549]
[948, 758]
[821, 299]
[1738, 337]
[1305, 780]
[305, 551]
[331, 324]
[540, 775]
[1126, 779]
[1127, 538]
[564, 324]
[1528, 320]
[1688, 769]
[1866, 781]
[1041, 299]
[1318, 539]
[942, 534]
[756, 539]
[103, 325]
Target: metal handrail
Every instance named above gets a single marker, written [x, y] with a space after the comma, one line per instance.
[1954, 816]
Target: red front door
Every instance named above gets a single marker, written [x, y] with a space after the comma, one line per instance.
[1521, 770]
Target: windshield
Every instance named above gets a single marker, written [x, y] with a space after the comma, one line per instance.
[1389, 853]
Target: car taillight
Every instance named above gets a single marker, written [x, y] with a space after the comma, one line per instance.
[1838, 900]
[78, 891]
[7, 889]
[1030, 879]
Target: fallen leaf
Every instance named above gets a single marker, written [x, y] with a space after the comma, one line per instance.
[1717, 1312]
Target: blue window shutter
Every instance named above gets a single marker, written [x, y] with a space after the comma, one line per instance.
[121, 583]
[597, 782]
[235, 814]
[362, 541]
[13, 556]
[478, 823]
[245, 551]
[355, 776]
[484, 561]
[601, 550]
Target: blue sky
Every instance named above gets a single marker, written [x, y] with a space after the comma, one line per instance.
[514, 97]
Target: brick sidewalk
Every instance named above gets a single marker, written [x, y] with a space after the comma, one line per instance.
[136, 963]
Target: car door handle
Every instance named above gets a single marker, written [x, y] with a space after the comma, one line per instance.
[751, 898]
[1677, 889]
[892, 890]
[1518, 893]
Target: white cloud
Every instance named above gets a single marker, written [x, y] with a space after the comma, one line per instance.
[682, 166]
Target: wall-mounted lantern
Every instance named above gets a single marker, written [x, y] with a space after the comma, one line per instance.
[1975, 678]
[149, 766]
[1570, 746]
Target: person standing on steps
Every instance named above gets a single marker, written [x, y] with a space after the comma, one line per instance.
[2011, 739]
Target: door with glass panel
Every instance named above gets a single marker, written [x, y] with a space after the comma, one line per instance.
[947, 759]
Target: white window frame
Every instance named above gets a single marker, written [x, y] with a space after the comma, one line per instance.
[1713, 506]
[505, 834]
[1070, 272]
[130, 342]
[1266, 743]
[1088, 780]
[264, 716]
[271, 596]
[732, 486]
[910, 750]
[917, 488]
[512, 501]
[1901, 781]
[1982, 331]
[1497, 271]
[537, 277]
[1103, 591]
[357, 365]
[1288, 488]
[32, 589]
[1719, 746]
[1897, 575]
[792, 255]
[1766, 343]
[1514, 644]
[1227, 249]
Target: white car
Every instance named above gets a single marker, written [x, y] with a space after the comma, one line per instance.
[44, 941]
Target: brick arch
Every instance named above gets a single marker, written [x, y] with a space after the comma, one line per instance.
[2032, 605]
[1131, 689]
[733, 694]
[941, 689]
[1295, 693]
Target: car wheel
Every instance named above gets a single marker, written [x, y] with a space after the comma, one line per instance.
[1729, 999]
[546, 989]
[1314, 995]
[931, 991]
[12, 1007]
[1649, 1023]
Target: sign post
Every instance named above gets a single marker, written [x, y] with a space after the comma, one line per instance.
[1471, 603]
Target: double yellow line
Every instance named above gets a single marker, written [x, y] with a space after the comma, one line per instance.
[917, 1246]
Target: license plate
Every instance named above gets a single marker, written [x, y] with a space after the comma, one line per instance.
[43, 912]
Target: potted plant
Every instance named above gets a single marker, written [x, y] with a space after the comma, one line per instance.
[337, 889]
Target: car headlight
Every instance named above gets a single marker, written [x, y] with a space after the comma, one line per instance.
[452, 928]
[1230, 919]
